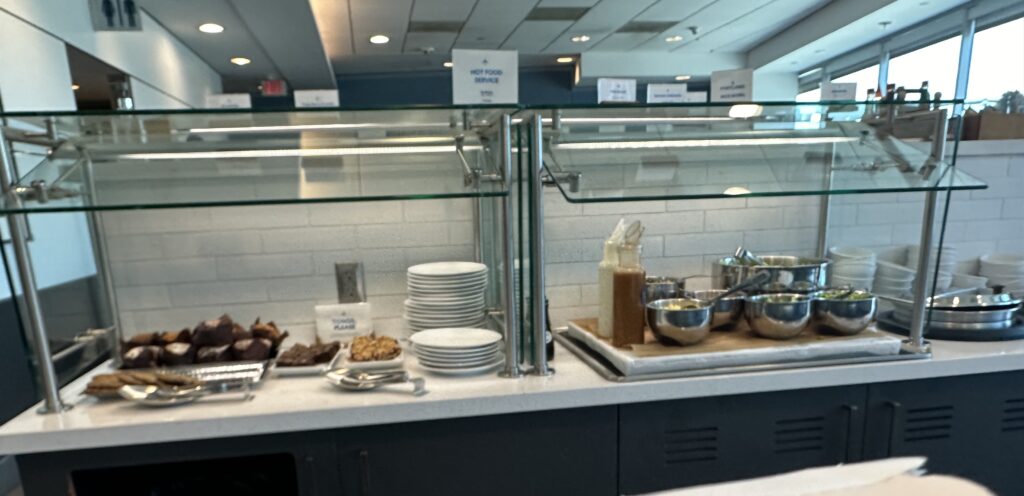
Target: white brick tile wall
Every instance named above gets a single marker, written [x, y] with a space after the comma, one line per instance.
[175, 267]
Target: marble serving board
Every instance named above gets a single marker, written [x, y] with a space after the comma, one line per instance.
[734, 348]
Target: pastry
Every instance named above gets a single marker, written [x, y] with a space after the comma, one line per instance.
[216, 332]
[106, 385]
[372, 348]
[141, 339]
[211, 354]
[251, 349]
[179, 354]
[239, 333]
[300, 355]
[142, 357]
[323, 353]
[168, 337]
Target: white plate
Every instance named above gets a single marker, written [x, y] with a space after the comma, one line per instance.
[458, 364]
[467, 371]
[437, 294]
[477, 276]
[395, 363]
[456, 338]
[446, 269]
[444, 353]
[449, 318]
[460, 313]
[422, 327]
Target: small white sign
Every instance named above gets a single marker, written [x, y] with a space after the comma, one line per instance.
[616, 90]
[696, 97]
[316, 98]
[666, 93]
[485, 76]
[229, 101]
[838, 91]
[732, 86]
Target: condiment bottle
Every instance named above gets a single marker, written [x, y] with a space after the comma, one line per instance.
[605, 296]
[628, 287]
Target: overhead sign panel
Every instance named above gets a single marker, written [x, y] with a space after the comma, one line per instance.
[485, 76]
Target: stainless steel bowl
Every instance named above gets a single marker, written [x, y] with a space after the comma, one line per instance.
[788, 274]
[663, 288]
[847, 316]
[778, 315]
[727, 312]
[674, 325]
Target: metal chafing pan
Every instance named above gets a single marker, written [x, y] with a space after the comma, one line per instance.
[965, 317]
[976, 302]
[904, 319]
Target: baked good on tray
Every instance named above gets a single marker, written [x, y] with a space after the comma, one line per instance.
[373, 348]
[301, 355]
[106, 385]
[215, 340]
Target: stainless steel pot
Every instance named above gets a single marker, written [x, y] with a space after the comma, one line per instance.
[847, 316]
[778, 316]
[788, 274]
[727, 312]
[682, 321]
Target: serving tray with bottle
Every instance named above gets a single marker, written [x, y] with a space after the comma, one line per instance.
[732, 351]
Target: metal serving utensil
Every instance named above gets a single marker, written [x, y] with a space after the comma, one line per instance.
[365, 380]
[156, 396]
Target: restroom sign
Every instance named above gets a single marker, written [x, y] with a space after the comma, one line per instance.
[115, 15]
[485, 76]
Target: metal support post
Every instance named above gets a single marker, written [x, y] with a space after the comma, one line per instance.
[41, 346]
[916, 343]
[826, 202]
[964, 64]
[511, 369]
[101, 255]
[540, 359]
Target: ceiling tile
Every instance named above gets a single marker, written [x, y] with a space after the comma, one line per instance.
[442, 10]
[621, 41]
[335, 27]
[440, 42]
[569, 3]
[533, 36]
[755, 27]
[388, 18]
[600, 21]
[673, 10]
[707, 19]
[491, 22]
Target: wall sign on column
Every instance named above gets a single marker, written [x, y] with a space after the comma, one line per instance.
[316, 98]
[616, 90]
[732, 86]
[666, 93]
[229, 101]
[838, 91]
[115, 15]
[485, 76]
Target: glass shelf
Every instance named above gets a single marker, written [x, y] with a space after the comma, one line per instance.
[213, 158]
[673, 152]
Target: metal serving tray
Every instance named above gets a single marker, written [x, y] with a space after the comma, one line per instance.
[223, 374]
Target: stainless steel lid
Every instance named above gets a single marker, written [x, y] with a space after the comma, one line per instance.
[971, 302]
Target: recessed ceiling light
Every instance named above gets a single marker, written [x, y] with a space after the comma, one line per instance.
[580, 39]
[379, 39]
[682, 78]
[564, 60]
[448, 64]
[74, 87]
[240, 61]
[674, 38]
[211, 28]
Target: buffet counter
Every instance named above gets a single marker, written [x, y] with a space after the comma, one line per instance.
[287, 404]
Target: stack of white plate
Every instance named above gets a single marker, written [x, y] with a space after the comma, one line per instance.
[893, 279]
[445, 294]
[1006, 270]
[946, 260]
[853, 266]
[466, 351]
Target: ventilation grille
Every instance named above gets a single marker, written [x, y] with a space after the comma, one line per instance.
[435, 26]
[928, 423]
[556, 13]
[1013, 415]
[646, 27]
[799, 435]
[698, 444]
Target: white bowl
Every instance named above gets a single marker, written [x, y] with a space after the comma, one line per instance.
[854, 272]
[842, 253]
[1009, 260]
[893, 271]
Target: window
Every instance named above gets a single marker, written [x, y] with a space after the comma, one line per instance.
[866, 79]
[997, 62]
[935, 63]
[809, 96]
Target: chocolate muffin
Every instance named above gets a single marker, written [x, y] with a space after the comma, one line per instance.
[168, 337]
[141, 339]
[216, 332]
[251, 349]
[142, 357]
[210, 354]
[179, 354]
[239, 333]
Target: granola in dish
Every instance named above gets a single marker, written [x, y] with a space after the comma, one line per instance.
[373, 348]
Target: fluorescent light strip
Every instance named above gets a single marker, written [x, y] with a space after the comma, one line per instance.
[314, 127]
[638, 120]
[628, 145]
[299, 152]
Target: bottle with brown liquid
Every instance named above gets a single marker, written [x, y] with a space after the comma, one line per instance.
[628, 288]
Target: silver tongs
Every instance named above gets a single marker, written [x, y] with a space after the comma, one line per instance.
[150, 395]
[365, 380]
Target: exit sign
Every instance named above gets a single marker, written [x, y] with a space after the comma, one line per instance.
[274, 87]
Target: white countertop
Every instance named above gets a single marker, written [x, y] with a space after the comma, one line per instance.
[308, 403]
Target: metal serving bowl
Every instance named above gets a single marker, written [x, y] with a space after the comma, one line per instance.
[847, 316]
[788, 274]
[663, 288]
[727, 312]
[674, 325]
[778, 315]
